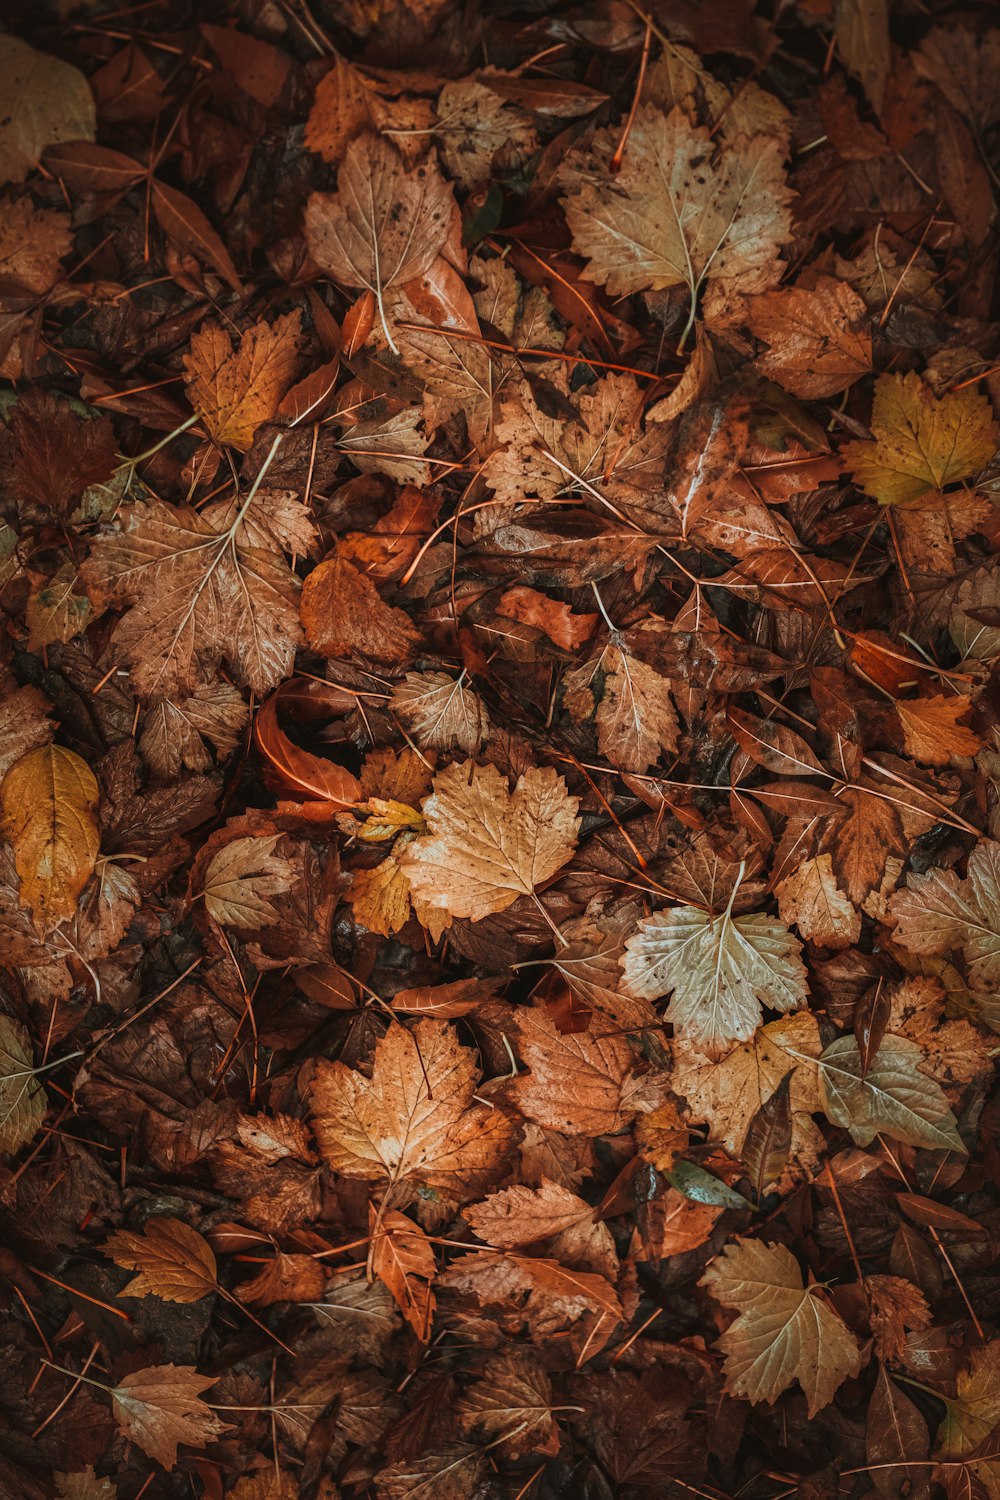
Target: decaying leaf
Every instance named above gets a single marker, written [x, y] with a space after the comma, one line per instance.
[160, 1407]
[485, 845]
[173, 1260]
[892, 1095]
[412, 1125]
[22, 1098]
[720, 971]
[785, 1331]
[48, 802]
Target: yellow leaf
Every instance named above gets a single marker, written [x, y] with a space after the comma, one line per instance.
[931, 731]
[922, 441]
[48, 802]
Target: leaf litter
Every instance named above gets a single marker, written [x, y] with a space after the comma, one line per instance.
[499, 750]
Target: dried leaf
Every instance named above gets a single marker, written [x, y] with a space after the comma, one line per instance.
[241, 877]
[160, 1407]
[173, 1260]
[922, 442]
[720, 971]
[50, 101]
[820, 337]
[893, 1096]
[237, 391]
[784, 1332]
[48, 804]
[22, 1098]
[413, 1122]
[485, 846]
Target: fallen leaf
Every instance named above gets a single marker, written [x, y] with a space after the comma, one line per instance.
[402, 1257]
[50, 101]
[412, 1124]
[384, 225]
[200, 585]
[938, 913]
[720, 971]
[811, 900]
[236, 391]
[893, 1096]
[679, 211]
[240, 879]
[343, 614]
[441, 712]
[160, 1407]
[485, 845]
[578, 1082]
[819, 337]
[784, 1332]
[48, 805]
[22, 1098]
[511, 1404]
[174, 1261]
[931, 731]
[922, 442]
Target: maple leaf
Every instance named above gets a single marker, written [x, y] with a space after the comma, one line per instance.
[549, 1297]
[241, 877]
[922, 442]
[173, 1260]
[512, 1404]
[48, 802]
[50, 101]
[22, 1098]
[578, 1082]
[896, 1305]
[413, 1122]
[384, 225]
[892, 1095]
[474, 127]
[485, 845]
[447, 1473]
[729, 1093]
[720, 971]
[973, 1414]
[84, 1484]
[938, 913]
[522, 1216]
[819, 336]
[55, 612]
[33, 242]
[202, 586]
[160, 1407]
[784, 1332]
[811, 900]
[441, 711]
[237, 391]
[679, 212]
[174, 732]
[931, 731]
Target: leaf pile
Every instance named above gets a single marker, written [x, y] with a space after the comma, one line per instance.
[499, 750]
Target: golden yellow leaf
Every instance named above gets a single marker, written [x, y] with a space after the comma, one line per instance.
[931, 731]
[48, 804]
[921, 441]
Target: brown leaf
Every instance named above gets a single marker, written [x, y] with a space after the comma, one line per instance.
[485, 846]
[384, 225]
[48, 805]
[412, 1124]
[185, 223]
[820, 337]
[173, 1260]
[160, 1407]
[512, 1404]
[343, 615]
[237, 391]
[200, 585]
[577, 1082]
[240, 879]
[403, 1258]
